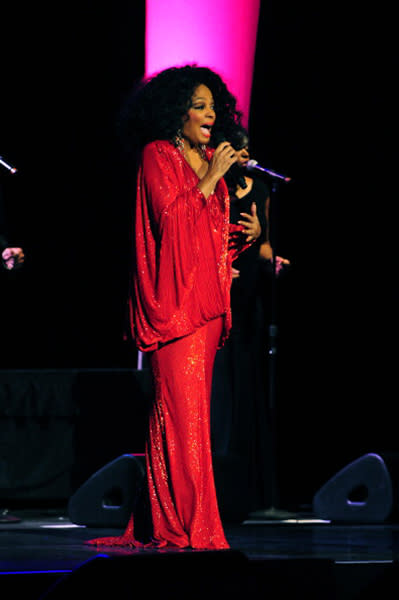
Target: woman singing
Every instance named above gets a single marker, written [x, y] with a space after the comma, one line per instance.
[180, 294]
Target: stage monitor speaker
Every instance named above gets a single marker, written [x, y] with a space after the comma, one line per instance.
[361, 492]
[108, 497]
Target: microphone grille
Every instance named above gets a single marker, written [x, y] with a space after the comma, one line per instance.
[251, 164]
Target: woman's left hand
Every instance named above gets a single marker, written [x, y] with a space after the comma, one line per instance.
[251, 225]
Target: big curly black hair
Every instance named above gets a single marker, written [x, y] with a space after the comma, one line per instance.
[239, 137]
[157, 105]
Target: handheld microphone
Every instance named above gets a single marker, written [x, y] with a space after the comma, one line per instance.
[234, 169]
[240, 178]
[4, 164]
[252, 165]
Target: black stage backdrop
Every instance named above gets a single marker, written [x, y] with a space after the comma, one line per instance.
[323, 111]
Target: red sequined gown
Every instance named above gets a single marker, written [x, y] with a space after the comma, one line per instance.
[180, 314]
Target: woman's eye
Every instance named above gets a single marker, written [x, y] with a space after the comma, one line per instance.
[202, 107]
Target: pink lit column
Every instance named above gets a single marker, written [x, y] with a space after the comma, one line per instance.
[219, 34]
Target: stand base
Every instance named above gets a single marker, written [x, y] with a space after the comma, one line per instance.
[272, 514]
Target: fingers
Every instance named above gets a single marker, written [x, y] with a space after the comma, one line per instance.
[224, 157]
[13, 258]
[251, 226]
[251, 237]
[225, 147]
[8, 252]
[228, 153]
[251, 217]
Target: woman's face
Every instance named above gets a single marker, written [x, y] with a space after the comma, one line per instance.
[200, 117]
[243, 156]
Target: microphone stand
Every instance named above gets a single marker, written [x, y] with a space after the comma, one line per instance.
[5, 516]
[7, 166]
[273, 513]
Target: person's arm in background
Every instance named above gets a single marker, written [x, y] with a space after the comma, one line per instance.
[12, 257]
[266, 250]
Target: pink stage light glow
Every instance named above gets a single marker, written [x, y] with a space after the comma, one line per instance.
[219, 34]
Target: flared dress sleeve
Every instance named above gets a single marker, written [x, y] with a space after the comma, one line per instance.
[168, 207]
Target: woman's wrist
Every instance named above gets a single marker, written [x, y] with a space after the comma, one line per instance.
[208, 184]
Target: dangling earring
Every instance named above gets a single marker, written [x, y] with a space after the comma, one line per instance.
[203, 151]
[178, 140]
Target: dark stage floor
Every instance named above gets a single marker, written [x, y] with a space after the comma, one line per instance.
[43, 556]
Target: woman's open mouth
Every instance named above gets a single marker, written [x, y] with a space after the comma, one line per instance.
[206, 130]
